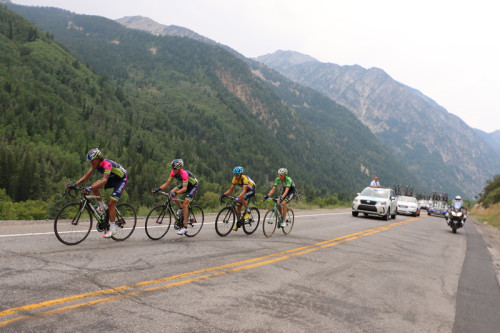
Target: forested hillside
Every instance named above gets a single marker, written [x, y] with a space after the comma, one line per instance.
[153, 99]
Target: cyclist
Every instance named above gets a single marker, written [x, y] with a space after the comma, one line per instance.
[287, 194]
[189, 186]
[247, 191]
[114, 176]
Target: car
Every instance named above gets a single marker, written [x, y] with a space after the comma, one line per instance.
[424, 204]
[375, 201]
[438, 208]
[408, 205]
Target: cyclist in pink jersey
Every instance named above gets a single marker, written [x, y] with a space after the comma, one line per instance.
[189, 186]
[114, 176]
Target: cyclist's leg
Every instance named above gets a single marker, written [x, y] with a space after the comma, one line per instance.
[285, 203]
[118, 188]
[190, 192]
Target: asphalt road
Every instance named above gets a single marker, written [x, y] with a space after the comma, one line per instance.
[333, 273]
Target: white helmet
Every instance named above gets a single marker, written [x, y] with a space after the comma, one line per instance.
[458, 197]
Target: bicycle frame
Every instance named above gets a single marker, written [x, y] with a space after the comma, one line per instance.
[228, 217]
[168, 206]
[273, 219]
[85, 202]
[76, 218]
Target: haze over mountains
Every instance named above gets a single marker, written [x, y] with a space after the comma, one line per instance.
[333, 134]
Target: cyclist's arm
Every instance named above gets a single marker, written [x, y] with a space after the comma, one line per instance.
[285, 193]
[181, 190]
[100, 183]
[165, 185]
[85, 177]
[272, 191]
[228, 192]
[241, 196]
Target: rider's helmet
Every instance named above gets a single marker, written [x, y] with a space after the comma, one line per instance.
[458, 198]
[93, 154]
[238, 170]
[177, 163]
[282, 171]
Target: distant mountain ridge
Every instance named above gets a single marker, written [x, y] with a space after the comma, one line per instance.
[438, 146]
[146, 24]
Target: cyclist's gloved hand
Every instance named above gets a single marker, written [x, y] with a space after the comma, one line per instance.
[156, 189]
[265, 197]
[70, 186]
[173, 194]
[87, 190]
[221, 195]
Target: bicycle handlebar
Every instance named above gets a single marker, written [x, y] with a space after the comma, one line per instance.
[167, 194]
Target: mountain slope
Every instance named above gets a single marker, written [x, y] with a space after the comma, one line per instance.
[444, 153]
[334, 122]
[182, 98]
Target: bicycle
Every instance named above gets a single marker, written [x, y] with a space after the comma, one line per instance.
[159, 219]
[226, 219]
[273, 218]
[73, 222]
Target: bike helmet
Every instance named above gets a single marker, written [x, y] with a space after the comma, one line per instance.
[177, 163]
[282, 171]
[238, 170]
[458, 197]
[93, 154]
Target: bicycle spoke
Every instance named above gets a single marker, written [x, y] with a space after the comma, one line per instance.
[158, 222]
[289, 221]
[269, 223]
[251, 224]
[224, 221]
[72, 223]
[195, 221]
[125, 222]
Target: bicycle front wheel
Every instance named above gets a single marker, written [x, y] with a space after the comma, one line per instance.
[289, 221]
[195, 221]
[224, 221]
[158, 222]
[73, 223]
[269, 223]
[251, 224]
[126, 219]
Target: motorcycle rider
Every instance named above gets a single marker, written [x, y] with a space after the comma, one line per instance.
[458, 201]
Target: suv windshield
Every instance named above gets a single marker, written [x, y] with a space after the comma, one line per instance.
[375, 192]
[408, 199]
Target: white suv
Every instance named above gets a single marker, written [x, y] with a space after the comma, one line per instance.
[375, 201]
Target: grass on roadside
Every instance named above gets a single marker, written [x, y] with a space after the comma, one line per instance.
[490, 215]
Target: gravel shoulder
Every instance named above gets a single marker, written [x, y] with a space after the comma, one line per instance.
[491, 236]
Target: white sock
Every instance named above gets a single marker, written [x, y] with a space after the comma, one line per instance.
[112, 226]
[102, 204]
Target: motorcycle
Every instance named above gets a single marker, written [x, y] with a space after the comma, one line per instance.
[456, 216]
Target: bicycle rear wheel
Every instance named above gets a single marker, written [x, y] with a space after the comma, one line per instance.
[251, 224]
[126, 219]
[158, 222]
[269, 223]
[224, 222]
[289, 221]
[195, 221]
[73, 223]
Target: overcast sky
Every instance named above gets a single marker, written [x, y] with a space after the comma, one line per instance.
[447, 49]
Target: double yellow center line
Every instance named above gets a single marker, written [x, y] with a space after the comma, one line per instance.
[139, 288]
